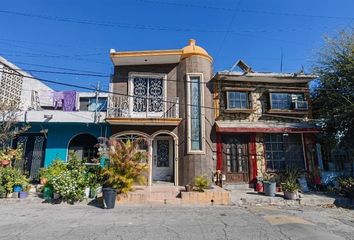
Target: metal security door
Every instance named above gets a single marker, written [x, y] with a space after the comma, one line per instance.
[162, 168]
[33, 154]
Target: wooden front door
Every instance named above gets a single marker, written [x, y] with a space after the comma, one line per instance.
[235, 158]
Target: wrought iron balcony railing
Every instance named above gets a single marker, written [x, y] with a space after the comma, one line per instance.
[142, 107]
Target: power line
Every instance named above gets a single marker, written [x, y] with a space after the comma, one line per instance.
[149, 27]
[229, 27]
[121, 94]
[243, 10]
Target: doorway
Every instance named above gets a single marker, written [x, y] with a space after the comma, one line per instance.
[33, 154]
[236, 158]
[162, 165]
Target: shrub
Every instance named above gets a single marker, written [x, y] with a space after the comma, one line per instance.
[70, 185]
[201, 183]
[54, 169]
[289, 186]
[71, 182]
[126, 165]
[346, 186]
[9, 177]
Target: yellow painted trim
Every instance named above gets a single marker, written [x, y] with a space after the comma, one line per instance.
[146, 53]
[187, 55]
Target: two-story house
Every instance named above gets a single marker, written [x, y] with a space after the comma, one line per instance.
[165, 97]
[262, 123]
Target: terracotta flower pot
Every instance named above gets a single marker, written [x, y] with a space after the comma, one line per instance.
[43, 181]
[5, 162]
[259, 187]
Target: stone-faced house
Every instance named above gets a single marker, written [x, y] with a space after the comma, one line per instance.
[165, 97]
[262, 123]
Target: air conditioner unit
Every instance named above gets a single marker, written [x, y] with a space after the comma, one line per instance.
[301, 105]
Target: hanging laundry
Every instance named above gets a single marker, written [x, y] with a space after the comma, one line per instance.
[58, 98]
[45, 97]
[69, 101]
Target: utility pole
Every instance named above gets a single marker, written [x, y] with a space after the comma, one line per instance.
[98, 89]
[281, 59]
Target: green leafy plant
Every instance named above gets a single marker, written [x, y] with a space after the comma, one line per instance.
[290, 174]
[55, 169]
[289, 186]
[201, 183]
[10, 154]
[10, 177]
[126, 165]
[269, 177]
[2, 190]
[346, 186]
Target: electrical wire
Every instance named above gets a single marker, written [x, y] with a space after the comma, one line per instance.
[133, 96]
[243, 10]
[150, 27]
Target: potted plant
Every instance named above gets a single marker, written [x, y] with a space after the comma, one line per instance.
[70, 183]
[9, 154]
[290, 189]
[54, 169]
[201, 183]
[269, 184]
[126, 166]
[188, 187]
[259, 184]
[25, 191]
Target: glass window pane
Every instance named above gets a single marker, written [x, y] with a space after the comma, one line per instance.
[195, 116]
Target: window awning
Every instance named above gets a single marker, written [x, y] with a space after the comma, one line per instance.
[266, 127]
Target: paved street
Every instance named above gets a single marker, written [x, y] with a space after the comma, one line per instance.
[21, 220]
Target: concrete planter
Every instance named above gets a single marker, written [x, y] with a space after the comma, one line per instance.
[290, 195]
[214, 196]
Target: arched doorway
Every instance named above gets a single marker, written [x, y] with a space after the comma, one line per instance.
[165, 157]
[83, 146]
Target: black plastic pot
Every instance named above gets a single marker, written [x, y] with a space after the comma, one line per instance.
[109, 197]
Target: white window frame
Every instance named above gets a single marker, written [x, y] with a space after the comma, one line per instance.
[202, 113]
[131, 88]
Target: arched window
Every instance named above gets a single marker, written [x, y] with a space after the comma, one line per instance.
[132, 137]
[83, 145]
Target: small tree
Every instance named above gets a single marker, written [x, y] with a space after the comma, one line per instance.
[126, 165]
[334, 94]
[9, 112]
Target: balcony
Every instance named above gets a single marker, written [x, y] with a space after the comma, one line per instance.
[143, 110]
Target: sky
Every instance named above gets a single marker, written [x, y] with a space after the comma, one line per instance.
[68, 41]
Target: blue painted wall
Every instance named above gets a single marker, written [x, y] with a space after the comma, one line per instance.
[60, 134]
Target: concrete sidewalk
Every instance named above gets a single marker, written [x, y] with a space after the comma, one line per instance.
[252, 198]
